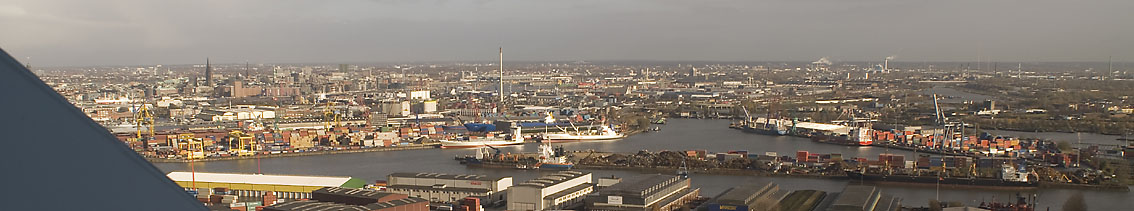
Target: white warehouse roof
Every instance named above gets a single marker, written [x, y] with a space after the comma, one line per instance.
[260, 179]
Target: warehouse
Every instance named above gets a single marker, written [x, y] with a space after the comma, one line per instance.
[449, 187]
[752, 197]
[283, 186]
[864, 198]
[652, 192]
[551, 192]
[333, 198]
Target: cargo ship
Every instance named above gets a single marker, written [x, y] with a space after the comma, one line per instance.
[763, 126]
[480, 141]
[1010, 177]
[858, 136]
[606, 133]
[765, 129]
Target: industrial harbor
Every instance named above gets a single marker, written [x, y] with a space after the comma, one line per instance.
[508, 105]
[602, 123]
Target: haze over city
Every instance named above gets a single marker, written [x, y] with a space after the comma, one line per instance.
[532, 105]
[137, 32]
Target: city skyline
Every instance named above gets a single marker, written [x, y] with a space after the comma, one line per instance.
[69, 33]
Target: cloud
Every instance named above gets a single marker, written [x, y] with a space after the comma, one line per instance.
[78, 32]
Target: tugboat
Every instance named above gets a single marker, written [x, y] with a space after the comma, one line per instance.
[552, 158]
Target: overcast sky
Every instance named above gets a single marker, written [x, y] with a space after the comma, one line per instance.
[85, 32]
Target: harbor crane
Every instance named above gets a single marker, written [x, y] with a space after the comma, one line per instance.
[331, 117]
[244, 143]
[144, 118]
[192, 148]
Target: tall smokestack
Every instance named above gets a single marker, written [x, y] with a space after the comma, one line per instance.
[501, 75]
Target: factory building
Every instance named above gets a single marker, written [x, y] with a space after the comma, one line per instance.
[751, 197]
[652, 192]
[449, 187]
[864, 198]
[238, 113]
[255, 185]
[334, 198]
[550, 192]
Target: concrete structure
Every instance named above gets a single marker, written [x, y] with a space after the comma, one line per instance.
[864, 198]
[652, 192]
[430, 106]
[751, 197]
[420, 95]
[254, 185]
[551, 192]
[233, 114]
[448, 187]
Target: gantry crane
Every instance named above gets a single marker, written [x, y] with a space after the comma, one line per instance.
[144, 118]
[191, 147]
[244, 144]
[331, 117]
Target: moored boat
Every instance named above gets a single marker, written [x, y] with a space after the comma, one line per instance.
[477, 141]
[606, 133]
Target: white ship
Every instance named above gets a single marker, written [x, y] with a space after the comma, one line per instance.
[606, 133]
[481, 141]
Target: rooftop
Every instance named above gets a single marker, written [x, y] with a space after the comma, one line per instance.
[553, 179]
[353, 192]
[449, 176]
[311, 205]
[318, 181]
[741, 194]
[641, 185]
[855, 196]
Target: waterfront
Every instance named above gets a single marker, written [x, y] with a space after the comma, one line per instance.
[679, 134]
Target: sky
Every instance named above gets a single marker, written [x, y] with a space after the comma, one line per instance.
[142, 32]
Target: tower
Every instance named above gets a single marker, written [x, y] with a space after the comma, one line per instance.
[208, 73]
[247, 74]
[501, 75]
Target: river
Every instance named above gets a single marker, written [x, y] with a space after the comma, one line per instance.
[680, 134]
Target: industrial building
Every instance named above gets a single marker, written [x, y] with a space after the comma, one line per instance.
[255, 185]
[449, 187]
[864, 198]
[551, 192]
[334, 198]
[751, 197]
[651, 192]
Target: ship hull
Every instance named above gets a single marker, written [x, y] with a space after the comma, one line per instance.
[934, 180]
[473, 144]
[555, 166]
[824, 138]
[763, 131]
[555, 138]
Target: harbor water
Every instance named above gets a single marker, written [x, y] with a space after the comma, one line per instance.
[679, 134]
